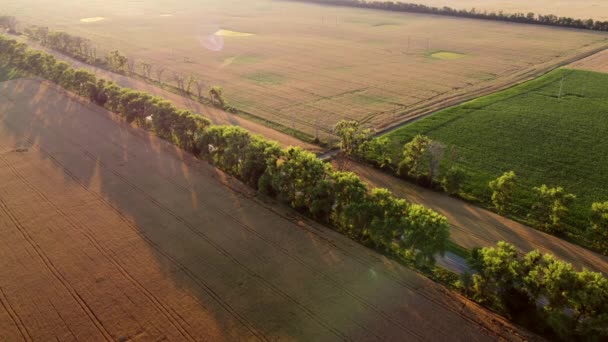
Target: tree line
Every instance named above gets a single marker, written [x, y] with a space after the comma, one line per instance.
[420, 162]
[293, 175]
[550, 208]
[529, 18]
[82, 50]
[374, 217]
[539, 291]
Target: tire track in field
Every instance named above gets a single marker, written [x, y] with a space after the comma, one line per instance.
[63, 320]
[51, 267]
[133, 226]
[14, 317]
[103, 251]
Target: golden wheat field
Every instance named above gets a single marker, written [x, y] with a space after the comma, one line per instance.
[307, 66]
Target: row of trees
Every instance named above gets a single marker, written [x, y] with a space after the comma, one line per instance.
[81, 49]
[530, 18]
[421, 162]
[296, 176]
[551, 206]
[73, 46]
[540, 290]
[334, 197]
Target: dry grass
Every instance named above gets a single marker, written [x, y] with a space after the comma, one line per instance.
[309, 66]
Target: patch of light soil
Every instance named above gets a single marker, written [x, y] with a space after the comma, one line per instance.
[228, 33]
[92, 20]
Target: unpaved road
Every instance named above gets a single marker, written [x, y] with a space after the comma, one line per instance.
[217, 116]
[109, 233]
[474, 227]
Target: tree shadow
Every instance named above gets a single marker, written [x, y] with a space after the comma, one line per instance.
[166, 246]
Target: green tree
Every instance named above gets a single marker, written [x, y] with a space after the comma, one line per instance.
[453, 180]
[389, 223]
[502, 190]
[550, 208]
[216, 94]
[589, 301]
[295, 175]
[496, 274]
[598, 230]
[351, 195]
[414, 154]
[427, 235]
[258, 154]
[117, 61]
[352, 136]
[378, 150]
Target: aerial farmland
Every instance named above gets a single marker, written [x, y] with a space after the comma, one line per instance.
[306, 67]
[303, 170]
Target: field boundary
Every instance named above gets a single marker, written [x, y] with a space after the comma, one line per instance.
[456, 100]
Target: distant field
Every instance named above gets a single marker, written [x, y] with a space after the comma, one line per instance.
[597, 62]
[529, 129]
[595, 9]
[307, 66]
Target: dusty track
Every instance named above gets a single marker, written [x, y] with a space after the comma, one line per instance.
[111, 233]
[473, 226]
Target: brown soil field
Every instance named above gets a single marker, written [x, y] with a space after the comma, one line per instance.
[308, 66]
[474, 227]
[594, 9]
[597, 62]
[109, 233]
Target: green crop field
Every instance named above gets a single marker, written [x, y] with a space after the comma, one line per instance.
[544, 138]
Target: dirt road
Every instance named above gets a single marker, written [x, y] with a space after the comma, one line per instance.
[473, 226]
[109, 233]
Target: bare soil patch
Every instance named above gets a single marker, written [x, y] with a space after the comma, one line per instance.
[110, 233]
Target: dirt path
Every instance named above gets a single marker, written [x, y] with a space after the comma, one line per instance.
[217, 116]
[112, 234]
[474, 227]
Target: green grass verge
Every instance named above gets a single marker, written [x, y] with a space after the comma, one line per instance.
[529, 128]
